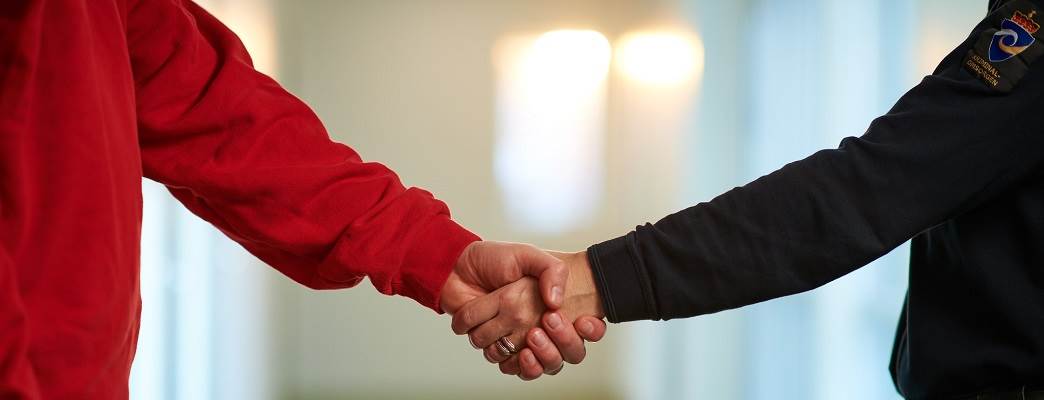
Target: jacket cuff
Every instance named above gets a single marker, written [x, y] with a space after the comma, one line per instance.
[622, 280]
[428, 263]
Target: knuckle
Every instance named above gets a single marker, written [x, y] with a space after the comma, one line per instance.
[464, 318]
[550, 355]
[555, 370]
[518, 319]
[552, 363]
[536, 342]
[511, 301]
[531, 371]
[492, 355]
[519, 340]
[509, 367]
[576, 357]
[458, 324]
[504, 302]
[478, 339]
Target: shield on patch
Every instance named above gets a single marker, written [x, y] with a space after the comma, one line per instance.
[1009, 41]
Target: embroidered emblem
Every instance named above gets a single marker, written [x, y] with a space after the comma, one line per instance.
[1014, 37]
[1004, 46]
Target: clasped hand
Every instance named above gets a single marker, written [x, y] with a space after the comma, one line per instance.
[527, 310]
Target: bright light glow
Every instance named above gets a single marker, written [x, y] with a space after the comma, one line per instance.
[551, 112]
[661, 58]
[571, 58]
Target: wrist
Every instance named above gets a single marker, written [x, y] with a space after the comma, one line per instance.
[455, 290]
[447, 301]
[582, 297]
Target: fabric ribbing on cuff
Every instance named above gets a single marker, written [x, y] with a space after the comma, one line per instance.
[431, 258]
[622, 280]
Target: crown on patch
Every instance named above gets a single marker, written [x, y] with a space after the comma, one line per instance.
[1026, 21]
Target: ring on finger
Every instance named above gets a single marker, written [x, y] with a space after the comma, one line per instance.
[502, 350]
[506, 347]
[508, 344]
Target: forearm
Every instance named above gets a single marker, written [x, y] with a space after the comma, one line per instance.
[949, 145]
[241, 152]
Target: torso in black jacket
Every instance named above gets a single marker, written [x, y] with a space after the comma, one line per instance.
[956, 165]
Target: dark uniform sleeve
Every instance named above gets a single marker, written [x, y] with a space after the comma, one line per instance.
[965, 134]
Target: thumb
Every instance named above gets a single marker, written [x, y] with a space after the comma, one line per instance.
[590, 328]
[551, 272]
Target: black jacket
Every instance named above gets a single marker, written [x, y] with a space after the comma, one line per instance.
[956, 165]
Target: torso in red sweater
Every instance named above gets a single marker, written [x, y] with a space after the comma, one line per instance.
[94, 94]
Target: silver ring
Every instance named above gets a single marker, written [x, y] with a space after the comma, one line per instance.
[508, 345]
[501, 349]
[505, 346]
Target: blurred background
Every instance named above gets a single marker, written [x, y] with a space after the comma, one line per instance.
[562, 123]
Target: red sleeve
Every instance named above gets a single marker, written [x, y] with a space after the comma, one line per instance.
[242, 153]
[17, 379]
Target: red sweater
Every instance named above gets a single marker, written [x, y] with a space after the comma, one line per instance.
[95, 94]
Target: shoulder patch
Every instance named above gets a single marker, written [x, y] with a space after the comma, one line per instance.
[1006, 46]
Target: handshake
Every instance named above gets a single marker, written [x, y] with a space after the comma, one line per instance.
[526, 309]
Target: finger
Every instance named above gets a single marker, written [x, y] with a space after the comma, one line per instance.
[518, 339]
[565, 338]
[546, 353]
[556, 370]
[510, 367]
[474, 313]
[531, 369]
[590, 329]
[488, 333]
[551, 272]
[494, 355]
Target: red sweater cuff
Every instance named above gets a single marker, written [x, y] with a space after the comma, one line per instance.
[430, 260]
